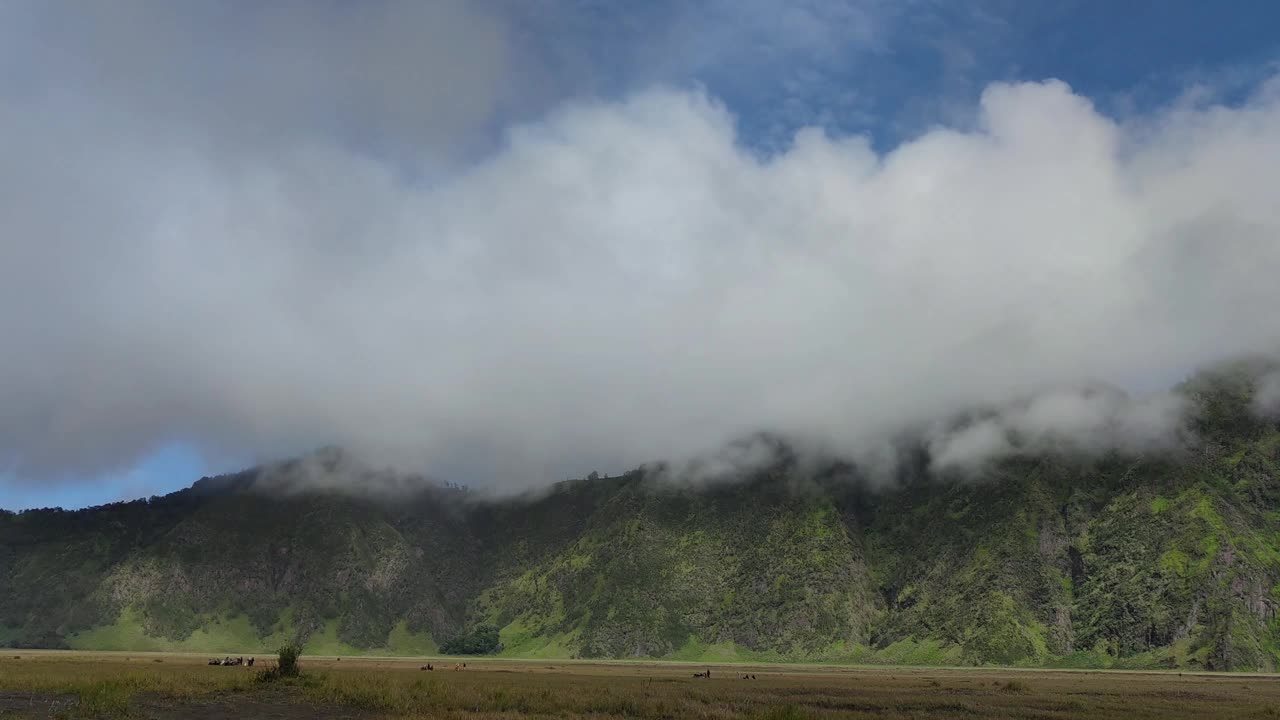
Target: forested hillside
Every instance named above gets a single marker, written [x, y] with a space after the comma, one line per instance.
[1158, 560]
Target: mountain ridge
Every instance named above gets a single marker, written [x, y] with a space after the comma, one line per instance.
[1110, 560]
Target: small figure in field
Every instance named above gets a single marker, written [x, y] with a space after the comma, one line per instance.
[708, 672]
[753, 677]
[250, 662]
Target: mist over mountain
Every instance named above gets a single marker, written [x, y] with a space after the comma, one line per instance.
[1102, 555]
[454, 253]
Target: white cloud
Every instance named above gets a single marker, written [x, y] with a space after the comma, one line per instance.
[620, 282]
[1090, 420]
[971, 446]
[1266, 401]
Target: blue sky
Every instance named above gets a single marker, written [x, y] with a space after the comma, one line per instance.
[890, 71]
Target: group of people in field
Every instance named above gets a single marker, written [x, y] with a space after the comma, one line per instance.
[231, 661]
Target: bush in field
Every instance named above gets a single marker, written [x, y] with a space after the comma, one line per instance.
[286, 665]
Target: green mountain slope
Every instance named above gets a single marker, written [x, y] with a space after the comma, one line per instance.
[1113, 561]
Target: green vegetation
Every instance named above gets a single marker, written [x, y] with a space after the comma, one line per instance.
[1056, 561]
[482, 640]
[286, 667]
[237, 635]
[219, 635]
[287, 662]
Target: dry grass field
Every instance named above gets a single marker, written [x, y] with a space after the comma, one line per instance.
[37, 684]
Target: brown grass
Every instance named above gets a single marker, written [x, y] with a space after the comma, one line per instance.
[108, 685]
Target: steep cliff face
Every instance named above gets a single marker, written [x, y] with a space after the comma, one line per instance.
[1166, 561]
[658, 568]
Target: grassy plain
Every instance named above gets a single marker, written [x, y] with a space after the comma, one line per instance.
[36, 684]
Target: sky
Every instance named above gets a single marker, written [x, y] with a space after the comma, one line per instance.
[507, 242]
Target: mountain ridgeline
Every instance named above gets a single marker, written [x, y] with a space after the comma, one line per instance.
[1169, 560]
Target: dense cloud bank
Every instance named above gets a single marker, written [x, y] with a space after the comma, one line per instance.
[1091, 421]
[618, 282]
[1267, 399]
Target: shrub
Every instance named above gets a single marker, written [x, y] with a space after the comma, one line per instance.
[286, 665]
